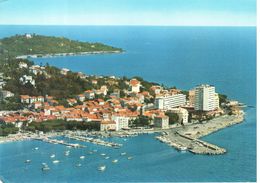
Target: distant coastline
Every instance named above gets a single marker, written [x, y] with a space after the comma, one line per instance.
[65, 54]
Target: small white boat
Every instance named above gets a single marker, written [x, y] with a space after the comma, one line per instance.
[114, 161]
[28, 161]
[78, 165]
[36, 148]
[123, 153]
[55, 161]
[102, 154]
[66, 154]
[45, 168]
[52, 156]
[130, 157]
[82, 157]
[107, 157]
[102, 168]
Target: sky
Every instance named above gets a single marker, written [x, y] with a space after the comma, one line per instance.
[129, 12]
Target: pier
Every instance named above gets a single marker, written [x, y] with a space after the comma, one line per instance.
[93, 140]
[55, 141]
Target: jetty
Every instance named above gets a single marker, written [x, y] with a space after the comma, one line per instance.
[187, 138]
[55, 141]
[93, 140]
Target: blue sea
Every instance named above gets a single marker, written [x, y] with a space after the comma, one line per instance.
[173, 56]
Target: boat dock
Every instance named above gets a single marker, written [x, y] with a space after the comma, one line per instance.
[93, 140]
[55, 141]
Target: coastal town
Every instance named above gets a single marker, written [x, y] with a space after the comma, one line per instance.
[111, 105]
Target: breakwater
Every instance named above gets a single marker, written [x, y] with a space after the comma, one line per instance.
[186, 138]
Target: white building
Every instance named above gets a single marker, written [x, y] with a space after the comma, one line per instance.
[28, 36]
[64, 71]
[121, 121]
[2, 82]
[170, 101]
[27, 79]
[135, 85]
[182, 113]
[107, 125]
[206, 99]
[23, 65]
[89, 94]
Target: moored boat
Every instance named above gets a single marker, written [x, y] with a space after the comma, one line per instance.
[102, 168]
[114, 161]
[55, 161]
[28, 161]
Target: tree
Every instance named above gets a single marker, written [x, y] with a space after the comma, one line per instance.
[141, 121]
[173, 117]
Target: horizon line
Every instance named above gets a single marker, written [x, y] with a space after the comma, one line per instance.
[137, 25]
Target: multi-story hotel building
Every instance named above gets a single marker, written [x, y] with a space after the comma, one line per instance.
[170, 101]
[206, 99]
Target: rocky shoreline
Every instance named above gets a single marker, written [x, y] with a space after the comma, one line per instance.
[65, 54]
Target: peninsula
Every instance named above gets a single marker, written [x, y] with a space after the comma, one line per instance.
[32, 45]
[36, 100]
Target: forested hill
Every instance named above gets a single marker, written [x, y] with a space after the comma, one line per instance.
[30, 44]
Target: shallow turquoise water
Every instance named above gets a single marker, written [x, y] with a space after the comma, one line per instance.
[183, 56]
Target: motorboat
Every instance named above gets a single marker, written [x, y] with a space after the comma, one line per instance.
[102, 154]
[82, 157]
[102, 168]
[55, 161]
[123, 153]
[28, 161]
[115, 161]
[45, 168]
[107, 157]
[130, 157]
[78, 165]
[52, 156]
